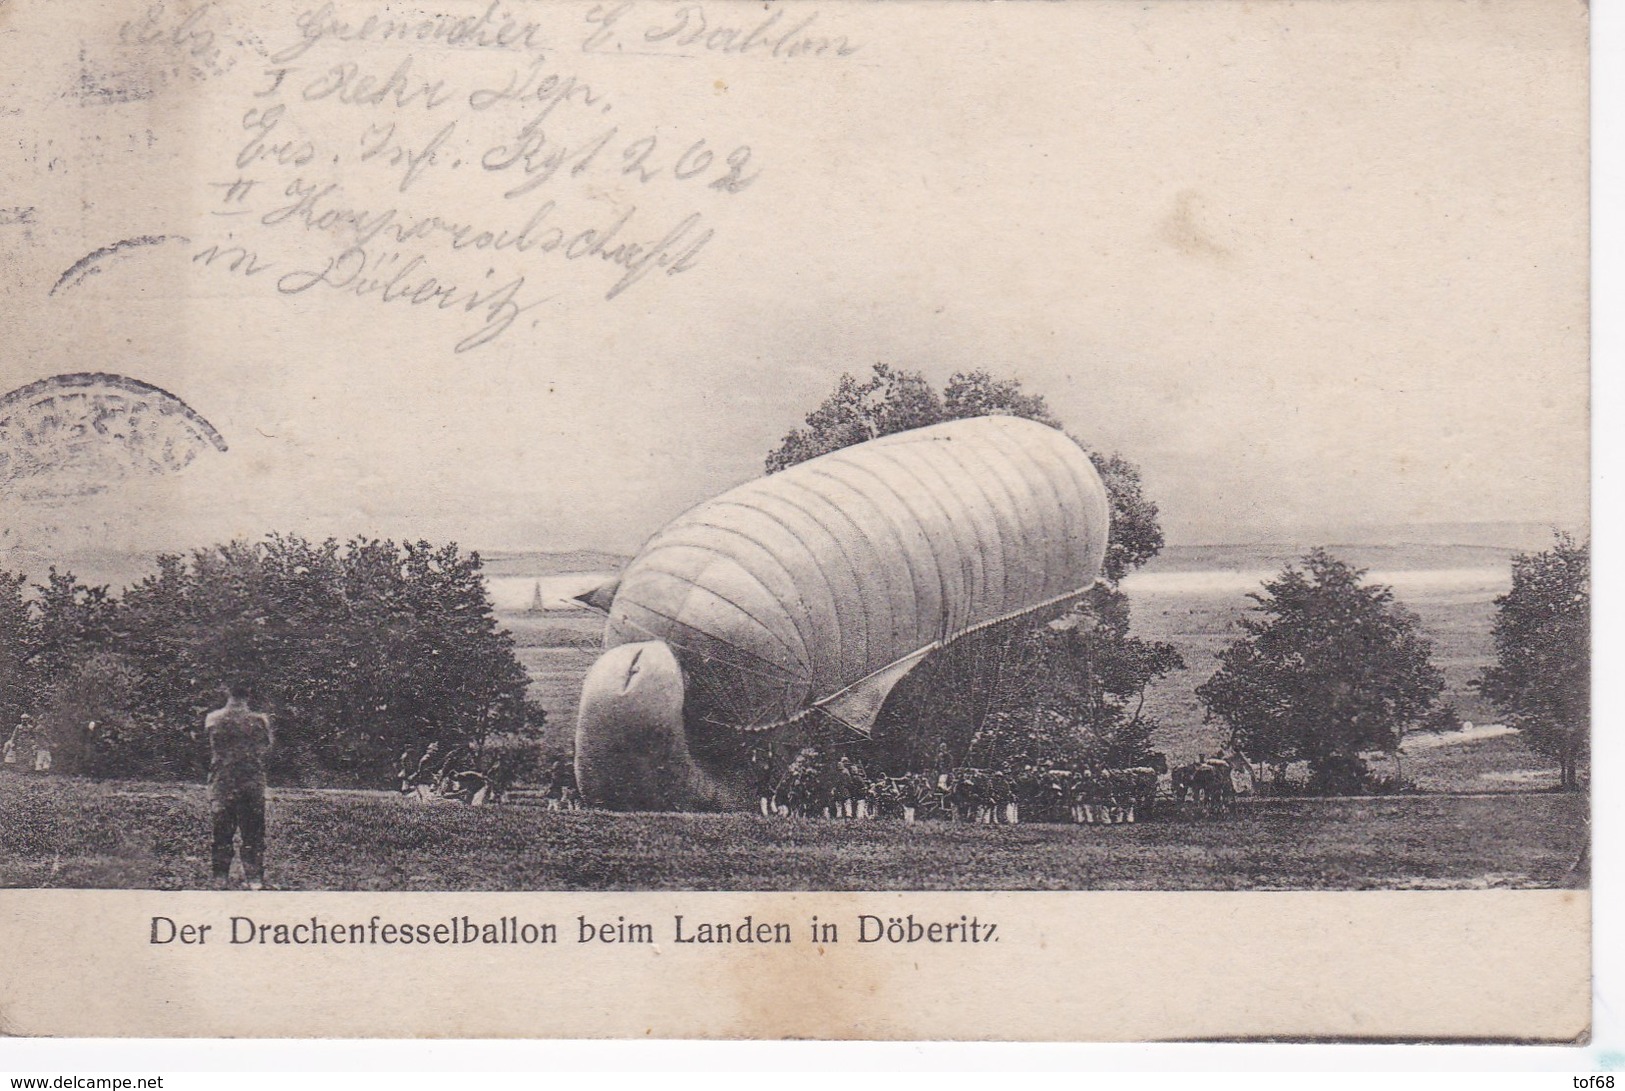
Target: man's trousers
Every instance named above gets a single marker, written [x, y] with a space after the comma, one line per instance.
[242, 811]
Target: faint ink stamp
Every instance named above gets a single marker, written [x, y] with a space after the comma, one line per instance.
[81, 433]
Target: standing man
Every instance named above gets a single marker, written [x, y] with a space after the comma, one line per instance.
[425, 773]
[29, 740]
[42, 752]
[238, 741]
[403, 771]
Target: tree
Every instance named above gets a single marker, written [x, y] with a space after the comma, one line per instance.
[185, 629]
[1136, 534]
[46, 643]
[359, 651]
[1330, 666]
[73, 622]
[1541, 679]
[1074, 691]
[89, 717]
[978, 394]
[1014, 691]
[889, 401]
[19, 644]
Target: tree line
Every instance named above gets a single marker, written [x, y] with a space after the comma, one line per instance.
[364, 649]
[358, 650]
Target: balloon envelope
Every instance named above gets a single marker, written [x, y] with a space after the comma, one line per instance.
[820, 586]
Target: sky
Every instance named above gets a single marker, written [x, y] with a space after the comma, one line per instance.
[1308, 265]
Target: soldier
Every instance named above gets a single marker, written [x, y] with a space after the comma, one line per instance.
[497, 779]
[448, 770]
[427, 764]
[403, 771]
[761, 778]
[32, 743]
[239, 739]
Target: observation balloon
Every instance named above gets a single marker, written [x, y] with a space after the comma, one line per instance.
[812, 591]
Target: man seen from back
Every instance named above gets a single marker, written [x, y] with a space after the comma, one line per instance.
[239, 739]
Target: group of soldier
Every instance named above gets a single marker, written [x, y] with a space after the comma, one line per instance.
[451, 773]
[455, 774]
[823, 782]
[818, 784]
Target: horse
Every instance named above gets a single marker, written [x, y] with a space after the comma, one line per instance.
[1210, 785]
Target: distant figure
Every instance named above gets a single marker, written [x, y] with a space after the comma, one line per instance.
[497, 779]
[427, 764]
[239, 739]
[762, 778]
[562, 771]
[403, 771]
[448, 769]
[28, 737]
[561, 793]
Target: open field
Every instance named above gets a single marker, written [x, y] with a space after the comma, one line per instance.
[1501, 764]
[63, 832]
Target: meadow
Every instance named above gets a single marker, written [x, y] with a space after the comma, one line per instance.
[66, 832]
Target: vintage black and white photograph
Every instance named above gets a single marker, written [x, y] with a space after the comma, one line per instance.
[489, 446]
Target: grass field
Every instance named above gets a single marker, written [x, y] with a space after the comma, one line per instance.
[63, 832]
[1504, 764]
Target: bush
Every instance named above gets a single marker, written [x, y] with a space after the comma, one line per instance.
[522, 759]
[1339, 775]
[89, 716]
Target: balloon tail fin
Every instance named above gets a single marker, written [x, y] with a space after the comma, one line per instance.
[600, 597]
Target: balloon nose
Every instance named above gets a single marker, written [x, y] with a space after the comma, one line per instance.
[631, 750]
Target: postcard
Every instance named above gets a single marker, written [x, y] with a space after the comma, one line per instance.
[1037, 521]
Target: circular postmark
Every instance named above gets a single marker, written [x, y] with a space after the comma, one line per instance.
[78, 434]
